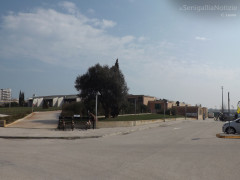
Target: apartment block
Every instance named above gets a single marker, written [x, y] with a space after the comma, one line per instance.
[5, 95]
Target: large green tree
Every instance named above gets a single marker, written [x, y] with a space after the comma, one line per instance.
[109, 82]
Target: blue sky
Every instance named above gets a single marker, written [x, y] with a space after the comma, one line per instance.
[165, 49]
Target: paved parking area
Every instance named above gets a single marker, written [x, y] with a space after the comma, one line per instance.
[176, 150]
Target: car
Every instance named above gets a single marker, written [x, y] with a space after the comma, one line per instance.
[231, 127]
[210, 115]
[225, 116]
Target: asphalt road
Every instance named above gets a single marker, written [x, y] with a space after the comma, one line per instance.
[187, 150]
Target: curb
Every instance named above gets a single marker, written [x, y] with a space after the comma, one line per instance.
[77, 137]
[221, 135]
[32, 137]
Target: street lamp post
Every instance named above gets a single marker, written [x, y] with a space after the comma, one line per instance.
[135, 106]
[185, 112]
[164, 102]
[164, 110]
[222, 98]
[32, 101]
[96, 104]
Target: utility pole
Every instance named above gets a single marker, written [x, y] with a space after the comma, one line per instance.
[98, 93]
[228, 103]
[135, 105]
[222, 99]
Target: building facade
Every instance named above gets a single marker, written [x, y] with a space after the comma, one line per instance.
[138, 103]
[140, 99]
[158, 106]
[53, 101]
[5, 95]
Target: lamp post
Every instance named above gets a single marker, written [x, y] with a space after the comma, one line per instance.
[185, 112]
[98, 93]
[32, 101]
[222, 98]
[135, 106]
[164, 102]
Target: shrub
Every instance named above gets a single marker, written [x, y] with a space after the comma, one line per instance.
[74, 108]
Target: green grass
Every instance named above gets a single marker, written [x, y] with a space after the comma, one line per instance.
[16, 113]
[15, 110]
[137, 117]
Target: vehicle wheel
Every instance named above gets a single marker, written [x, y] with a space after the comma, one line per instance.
[230, 130]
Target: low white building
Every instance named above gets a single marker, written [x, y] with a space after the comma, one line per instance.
[53, 101]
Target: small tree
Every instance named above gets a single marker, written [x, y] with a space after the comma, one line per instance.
[21, 99]
[177, 103]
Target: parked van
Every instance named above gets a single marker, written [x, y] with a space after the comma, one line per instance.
[210, 115]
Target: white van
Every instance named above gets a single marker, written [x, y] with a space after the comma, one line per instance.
[210, 115]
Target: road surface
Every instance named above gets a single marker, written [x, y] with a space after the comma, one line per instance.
[184, 150]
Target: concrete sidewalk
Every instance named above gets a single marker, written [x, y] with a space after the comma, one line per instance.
[31, 133]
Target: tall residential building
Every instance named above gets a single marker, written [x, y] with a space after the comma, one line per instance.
[5, 95]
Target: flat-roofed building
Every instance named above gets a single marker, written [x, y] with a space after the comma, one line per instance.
[53, 101]
[140, 99]
[158, 106]
[5, 95]
[138, 103]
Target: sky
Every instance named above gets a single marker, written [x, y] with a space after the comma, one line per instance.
[180, 50]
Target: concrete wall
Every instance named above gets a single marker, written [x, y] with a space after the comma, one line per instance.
[55, 102]
[112, 124]
[191, 111]
[40, 102]
[60, 102]
[146, 99]
[35, 102]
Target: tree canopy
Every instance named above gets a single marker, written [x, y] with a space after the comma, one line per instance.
[21, 98]
[109, 82]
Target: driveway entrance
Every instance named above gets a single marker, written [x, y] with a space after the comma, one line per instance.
[39, 120]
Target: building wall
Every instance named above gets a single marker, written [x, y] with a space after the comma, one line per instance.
[140, 99]
[5, 95]
[146, 99]
[191, 111]
[158, 106]
[154, 105]
[53, 101]
[60, 102]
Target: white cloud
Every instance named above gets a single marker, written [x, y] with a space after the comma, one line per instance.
[103, 24]
[142, 39]
[107, 23]
[76, 41]
[91, 11]
[57, 38]
[201, 38]
[69, 6]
